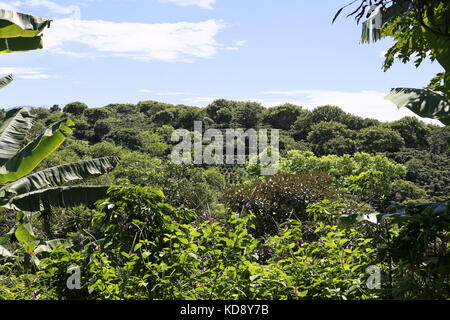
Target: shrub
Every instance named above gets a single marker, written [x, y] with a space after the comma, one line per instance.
[280, 197]
[406, 190]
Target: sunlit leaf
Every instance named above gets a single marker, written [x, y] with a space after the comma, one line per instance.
[423, 102]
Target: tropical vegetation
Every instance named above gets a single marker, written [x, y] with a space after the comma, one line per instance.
[358, 208]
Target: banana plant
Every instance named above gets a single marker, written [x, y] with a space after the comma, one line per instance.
[20, 32]
[423, 102]
[29, 193]
[4, 81]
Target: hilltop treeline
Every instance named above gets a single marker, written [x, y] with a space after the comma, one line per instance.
[146, 128]
[177, 231]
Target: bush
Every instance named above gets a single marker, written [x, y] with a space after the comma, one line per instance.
[406, 190]
[280, 197]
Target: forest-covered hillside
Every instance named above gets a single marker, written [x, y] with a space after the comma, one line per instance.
[145, 129]
[176, 231]
[98, 204]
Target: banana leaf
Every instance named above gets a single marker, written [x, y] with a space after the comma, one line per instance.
[6, 80]
[12, 132]
[15, 24]
[58, 176]
[57, 197]
[35, 152]
[20, 44]
[423, 102]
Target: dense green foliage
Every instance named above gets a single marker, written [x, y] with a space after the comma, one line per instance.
[351, 195]
[224, 232]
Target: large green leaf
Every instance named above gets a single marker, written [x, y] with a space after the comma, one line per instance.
[12, 132]
[58, 176]
[31, 155]
[423, 102]
[6, 80]
[15, 24]
[24, 231]
[58, 197]
[25, 238]
[48, 246]
[20, 44]
[20, 32]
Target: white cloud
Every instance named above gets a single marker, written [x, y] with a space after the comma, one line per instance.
[145, 91]
[27, 73]
[368, 104]
[7, 6]
[182, 41]
[237, 45]
[53, 7]
[205, 4]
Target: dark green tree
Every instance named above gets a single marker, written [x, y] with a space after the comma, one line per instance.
[380, 139]
[282, 117]
[414, 132]
[324, 132]
[95, 114]
[76, 108]
[306, 120]
[248, 114]
[187, 117]
[101, 129]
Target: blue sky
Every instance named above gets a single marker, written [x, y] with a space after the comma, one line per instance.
[194, 51]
